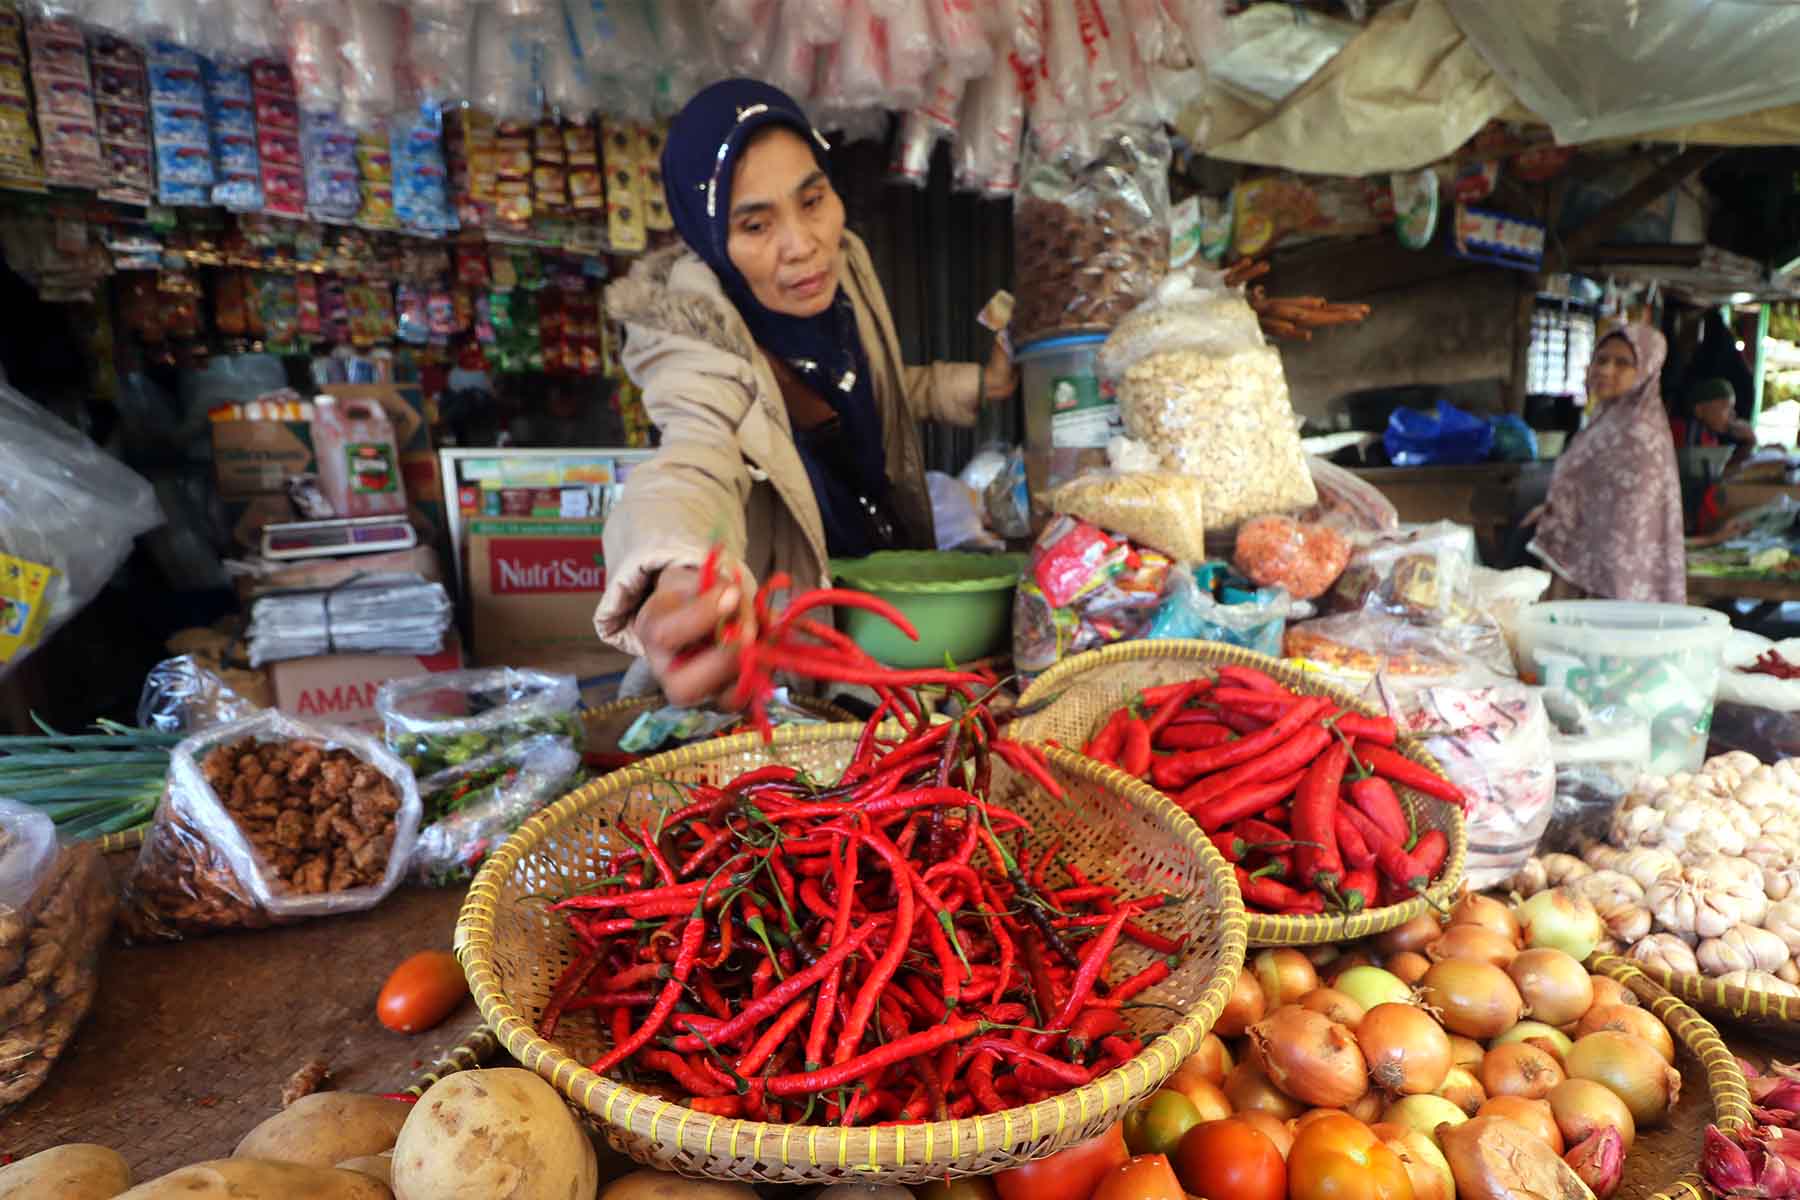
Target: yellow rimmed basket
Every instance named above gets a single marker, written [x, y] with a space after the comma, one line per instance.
[1070, 701]
[513, 950]
[1665, 1158]
[1769, 1015]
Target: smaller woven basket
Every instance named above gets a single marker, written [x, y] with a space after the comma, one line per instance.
[513, 950]
[1073, 698]
[1724, 1082]
[1770, 1015]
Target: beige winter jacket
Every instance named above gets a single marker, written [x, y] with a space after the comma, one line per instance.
[728, 469]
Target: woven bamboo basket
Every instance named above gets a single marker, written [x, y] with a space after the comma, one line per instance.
[513, 950]
[1072, 699]
[1769, 1015]
[1653, 1164]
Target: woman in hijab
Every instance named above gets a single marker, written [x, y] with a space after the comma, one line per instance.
[770, 364]
[1612, 526]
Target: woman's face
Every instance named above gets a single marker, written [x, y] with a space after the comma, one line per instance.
[1614, 370]
[787, 225]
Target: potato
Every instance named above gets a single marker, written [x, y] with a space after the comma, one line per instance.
[249, 1179]
[375, 1166]
[77, 1171]
[325, 1128]
[502, 1134]
[660, 1185]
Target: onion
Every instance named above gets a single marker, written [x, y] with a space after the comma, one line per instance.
[1408, 1053]
[1495, 1159]
[1368, 1109]
[1531, 878]
[1476, 999]
[1211, 1062]
[1270, 1126]
[1610, 991]
[1599, 1162]
[1556, 988]
[1310, 1057]
[1554, 1042]
[1487, 912]
[1558, 921]
[1463, 1089]
[1285, 976]
[1518, 1069]
[1476, 943]
[1334, 1004]
[1583, 1108]
[1425, 1114]
[1346, 962]
[1632, 1068]
[1369, 986]
[1532, 1115]
[1409, 966]
[1426, 1167]
[1415, 934]
[1637, 1022]
[1322, 956]
[1465, 1052]
[1245, 1007]
[1249, 1089]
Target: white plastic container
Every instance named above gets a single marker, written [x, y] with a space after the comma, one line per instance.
[359, 464]
[1658, 662]
[1070, 412]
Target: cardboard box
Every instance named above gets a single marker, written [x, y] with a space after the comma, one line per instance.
[339, 689]
[257, 458]
[532, 587]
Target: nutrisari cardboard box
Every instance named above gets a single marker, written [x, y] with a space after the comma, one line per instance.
[532, 588]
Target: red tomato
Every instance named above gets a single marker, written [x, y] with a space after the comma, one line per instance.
[1068, 1174]
[1340, 1158]
[1231, 1158]
[421, 992]
[1146, 1177]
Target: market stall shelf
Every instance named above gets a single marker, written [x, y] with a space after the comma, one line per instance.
[1074, 697]
[514, 949]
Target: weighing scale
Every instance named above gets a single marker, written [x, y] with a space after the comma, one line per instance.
[339, 535]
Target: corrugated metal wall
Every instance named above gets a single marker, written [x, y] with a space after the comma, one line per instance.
[940, 256]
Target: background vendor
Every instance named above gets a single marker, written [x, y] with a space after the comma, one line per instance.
[770, 363]
[1712, 420]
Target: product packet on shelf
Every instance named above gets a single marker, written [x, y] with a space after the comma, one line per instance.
[1082, 589]
[328, 151]
[231, 111]
[626, 230]
[65, 104]
[21, 168]
[421, 182]
[278, 139]
[122, 109]
[375, 164]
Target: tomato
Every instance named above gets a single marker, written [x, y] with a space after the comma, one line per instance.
[1340, 1158]
[1231, 1158]
[1068, 1174]
[1156, 1125]
[1146, 1177]
[973, 1187]
[1206, 1097]
[421, 992]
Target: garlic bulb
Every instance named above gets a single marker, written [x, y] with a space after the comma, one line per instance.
[1778, 882]
[1740, 761]
[1766, 951]
[1564, 868]
[1789, 970]
[1716, 957]
[1738, 876]
[1692, 907]
[1759, 981]
[1787, 774]
[1666, 951]
[1607, 889]
[1767, 851]
[1627, 923]
[1601, 856]
[1647, 865]
[1530, 879]
[1716, 838]
[1759, 792]
[1637, 827]
[1783, 920]
[1681, 823]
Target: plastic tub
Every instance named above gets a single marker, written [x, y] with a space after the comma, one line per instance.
[1658, 662]
[1070, 412]
[960, 602]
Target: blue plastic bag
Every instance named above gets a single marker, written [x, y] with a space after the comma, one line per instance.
[1189, 611]
[1449, 437]
[1514, 440]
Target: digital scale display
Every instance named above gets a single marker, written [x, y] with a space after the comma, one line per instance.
[351, 535]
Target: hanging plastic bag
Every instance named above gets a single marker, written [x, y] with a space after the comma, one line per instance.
[509, 66]
[1448, 437]
[1107, 70]
[370, 49]
[439, 49]
[237, 842]
[910, 54]
[1004, 129]
[1200, 32]
[961, 39]
[56, 908]
[312, 29]
[791, 67]
[568, 87]
[1021, 23]
[818, 22]
[858, 74]
[752, 55]
[738, 20]
[68, 514]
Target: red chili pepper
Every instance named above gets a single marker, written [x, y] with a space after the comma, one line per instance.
[1091, 961]
[1358, 889]
[709, 568]
[1315, 820]
[1394, 766]
[764, 1047]
[1355, 850]
[1379, 730]
[1250, 677]
[1242, 723]
[1144, 980]
[1429, 853]
[1411, 875]
[1028, 761]
[1276, 897]
[1185, 768]
[1153, 696]
[861, 1066]
[1253, 798]
[1376, 799]
[1134, 755]
[691, 937]
[1167, 710]
[885, 966]
[788, 989]
[1296, 753]
[1104, 745]
[1193, 737]
[1066, 1074]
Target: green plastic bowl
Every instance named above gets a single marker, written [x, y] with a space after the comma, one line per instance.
[960, 602]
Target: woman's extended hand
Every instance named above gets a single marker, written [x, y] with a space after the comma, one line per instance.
[1535, 515]
[999, 378]
[676, 626]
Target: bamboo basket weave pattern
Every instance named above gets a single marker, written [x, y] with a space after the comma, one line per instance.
[1079, 693]
[1724, 1079]
[1769, 1014]
[513, 949]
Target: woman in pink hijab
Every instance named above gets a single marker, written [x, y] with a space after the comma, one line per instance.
[1611, 527]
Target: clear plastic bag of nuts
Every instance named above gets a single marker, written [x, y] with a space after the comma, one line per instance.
[56, 908]
[268, 820]
[1090, 237]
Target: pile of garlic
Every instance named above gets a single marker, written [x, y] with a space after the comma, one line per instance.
[1701, 874]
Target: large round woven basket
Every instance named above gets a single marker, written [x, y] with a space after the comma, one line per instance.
[1772, 1016]
[1665, 1158]
[513, 949]
[1070, 701]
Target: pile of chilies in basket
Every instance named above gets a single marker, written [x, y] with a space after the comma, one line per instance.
[1294, 790]
[882, 949]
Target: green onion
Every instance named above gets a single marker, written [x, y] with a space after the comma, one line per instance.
[90, 784]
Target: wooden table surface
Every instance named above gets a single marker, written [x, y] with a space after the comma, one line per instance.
[1704, 588]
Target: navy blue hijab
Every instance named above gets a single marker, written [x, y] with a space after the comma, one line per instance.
[848, 466]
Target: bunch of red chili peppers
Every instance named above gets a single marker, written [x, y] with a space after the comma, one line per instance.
[1293, 790]
[888, 948]
[1770, 662]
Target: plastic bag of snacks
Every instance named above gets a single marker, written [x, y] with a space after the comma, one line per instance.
[268, 820]
[1082, 589]
[1304, 558]
[56, 907]
[1421, 572]
[1256, 622]
[1198, 386]
[1162, 509]
[480, 803]
[1348, 500]
[436, 722]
